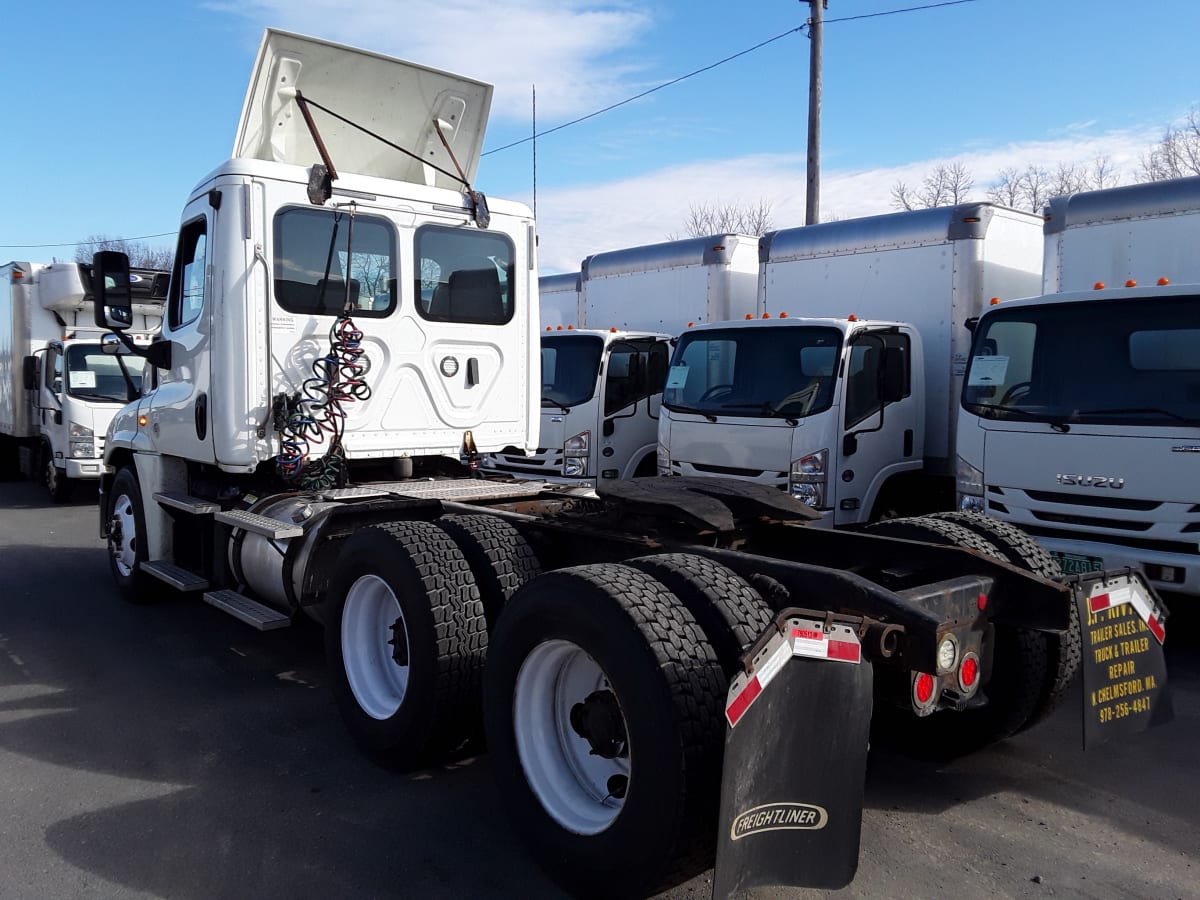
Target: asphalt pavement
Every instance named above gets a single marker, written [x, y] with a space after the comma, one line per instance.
[171, 751]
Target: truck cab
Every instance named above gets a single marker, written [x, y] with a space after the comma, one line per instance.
[825, 409]
[601, 393]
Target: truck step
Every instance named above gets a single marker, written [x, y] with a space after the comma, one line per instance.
[264, 525]
[186, 502]
[264, 618]
[179, 578]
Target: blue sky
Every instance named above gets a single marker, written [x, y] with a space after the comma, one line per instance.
[116, 109]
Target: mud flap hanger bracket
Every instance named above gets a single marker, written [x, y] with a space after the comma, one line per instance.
[880, 640]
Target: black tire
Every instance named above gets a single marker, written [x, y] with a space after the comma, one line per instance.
[669, 692]
[500, 558]
[444, 639]
[1018, 674]
[58, 485]
[731, 613]
[126, 552]
[1065, 650]
[9, 458]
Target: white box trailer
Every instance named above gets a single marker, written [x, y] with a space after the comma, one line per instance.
[559, 296]
[1081, 413]
[920, 275]
[58, 390]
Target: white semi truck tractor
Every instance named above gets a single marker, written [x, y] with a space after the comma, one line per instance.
[642, 663]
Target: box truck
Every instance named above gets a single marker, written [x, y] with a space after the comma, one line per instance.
[1080, 417]
[654, 654]
[843, 391]
[58, 391]
[605, 349]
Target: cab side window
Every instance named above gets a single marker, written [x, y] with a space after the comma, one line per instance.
[187, 281]
[464, 276]
[863, 375]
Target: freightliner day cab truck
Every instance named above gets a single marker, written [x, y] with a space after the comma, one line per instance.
[651, 653]
[844, 390]
[1080, 417]
[59, 391]
[605, 349]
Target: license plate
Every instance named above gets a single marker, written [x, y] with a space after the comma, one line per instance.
[1077, 564]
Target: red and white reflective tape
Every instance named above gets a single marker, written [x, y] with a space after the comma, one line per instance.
[1133, 595]
[742, 696]
[814, 642]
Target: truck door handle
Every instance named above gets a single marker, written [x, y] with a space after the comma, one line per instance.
[202, 416]
[472, 372]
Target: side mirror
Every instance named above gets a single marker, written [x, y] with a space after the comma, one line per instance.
[29, 373]
[111, 292]
[110, 344]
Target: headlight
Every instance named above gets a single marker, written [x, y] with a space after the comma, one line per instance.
[663, 457]
[82, 449]
[80, 432]
[577, 443]
[575, 467]
[807, 478]
[969, 482]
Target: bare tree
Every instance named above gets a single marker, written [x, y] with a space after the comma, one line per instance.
[944, 186]
[704, 219]
[1177, 154]
[141, 255]
[1032, 187]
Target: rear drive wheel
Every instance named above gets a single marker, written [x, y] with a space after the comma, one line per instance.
[500, 558]
[405, 640]
[731, 613]
[127, 548]
[603, 705]
[1019, 668]
[1065, 650]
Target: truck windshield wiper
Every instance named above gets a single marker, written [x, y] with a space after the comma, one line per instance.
[86, 395]
[689, 409]
[766, 408]
[1058, 423]
[548, 401]
[1134, 410]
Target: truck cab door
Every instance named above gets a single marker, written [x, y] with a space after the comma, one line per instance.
[179, 416]
[879, 421]
[635, 373]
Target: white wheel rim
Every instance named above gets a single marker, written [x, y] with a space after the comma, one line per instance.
[124, 552]
[377, 680]
[569, 780]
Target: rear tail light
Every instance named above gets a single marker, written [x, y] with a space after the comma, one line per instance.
[924, 693]
[968, 673]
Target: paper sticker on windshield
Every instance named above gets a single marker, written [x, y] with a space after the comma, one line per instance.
[83, 379]
[988, 371]
[677, 377]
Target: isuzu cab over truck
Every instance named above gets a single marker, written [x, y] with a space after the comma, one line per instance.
[602, 377]
[58, 391]
[843, 392]
[1080, 415]
[653, 653]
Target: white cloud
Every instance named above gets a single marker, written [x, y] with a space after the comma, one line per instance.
[567, 48]
[644, 209]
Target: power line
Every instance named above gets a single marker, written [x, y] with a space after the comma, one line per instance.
[758, 46]
[144, 237]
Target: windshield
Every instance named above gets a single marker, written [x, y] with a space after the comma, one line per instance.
[1114, 362]
[570, 366]
[95, 375]
[785, 371]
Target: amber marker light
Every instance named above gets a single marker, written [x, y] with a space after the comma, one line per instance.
[852, 318]
[142, 420]
[994, 301]
[1163, 282]
[1131, 283]
[1098, 286]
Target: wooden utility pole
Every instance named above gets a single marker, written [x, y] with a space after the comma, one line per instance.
[813, 208]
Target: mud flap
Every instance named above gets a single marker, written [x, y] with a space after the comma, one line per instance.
[1123, 629]
[797, 726]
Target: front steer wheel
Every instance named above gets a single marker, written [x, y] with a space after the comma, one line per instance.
[126, 526]
[405, 640]
[603, 706]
